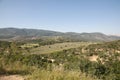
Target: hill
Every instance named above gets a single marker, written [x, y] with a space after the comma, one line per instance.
[96, 61]
[25, 34]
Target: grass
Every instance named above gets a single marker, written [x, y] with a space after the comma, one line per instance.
[11, 67]
[57, 47]
[29, 45]
[17, 68]
[57, 75]
[14, 68]
[33, 73]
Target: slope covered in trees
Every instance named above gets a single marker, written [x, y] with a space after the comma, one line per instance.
[28, 34]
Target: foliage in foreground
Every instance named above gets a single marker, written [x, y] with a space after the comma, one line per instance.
[68, 64]
[57, 75]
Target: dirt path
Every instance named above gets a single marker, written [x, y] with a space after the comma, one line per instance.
[11, 77]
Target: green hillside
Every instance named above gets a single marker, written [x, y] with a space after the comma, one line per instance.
[100, 61]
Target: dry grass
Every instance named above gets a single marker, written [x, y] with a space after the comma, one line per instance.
[29, 45]
[57, 47]
[57, 75]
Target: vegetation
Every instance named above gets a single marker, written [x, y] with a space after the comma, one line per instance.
[33, 34]
[57, 47]
[72, 62]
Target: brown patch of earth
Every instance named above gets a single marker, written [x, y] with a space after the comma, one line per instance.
[11, 77]
[93, 58]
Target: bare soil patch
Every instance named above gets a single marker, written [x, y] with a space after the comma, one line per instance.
[11, 77]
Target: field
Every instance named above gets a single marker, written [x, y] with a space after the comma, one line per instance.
[57, 47]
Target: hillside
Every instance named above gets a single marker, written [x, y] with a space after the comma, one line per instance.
[75, 61]
[25, 34]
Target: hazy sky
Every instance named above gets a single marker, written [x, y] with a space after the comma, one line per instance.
[62, 15]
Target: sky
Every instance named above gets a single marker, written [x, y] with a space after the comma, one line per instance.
[62, 15]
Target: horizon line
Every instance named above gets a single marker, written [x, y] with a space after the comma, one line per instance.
[59, 31]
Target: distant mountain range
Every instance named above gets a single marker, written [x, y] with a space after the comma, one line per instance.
[16, 34]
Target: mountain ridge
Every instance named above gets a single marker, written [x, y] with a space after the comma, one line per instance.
[17, 33]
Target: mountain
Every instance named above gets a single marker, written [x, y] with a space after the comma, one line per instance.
[21, 34]
[26, 32]
[94, 37]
